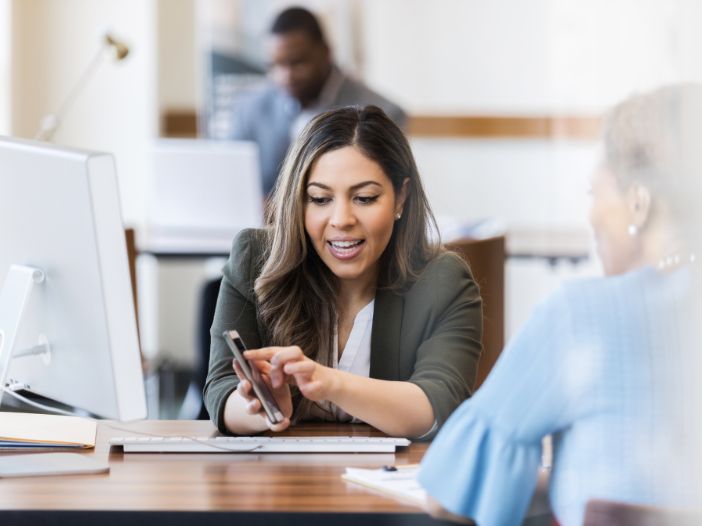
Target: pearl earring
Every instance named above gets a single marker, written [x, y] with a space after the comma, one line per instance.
[398, 216]
[633, 230]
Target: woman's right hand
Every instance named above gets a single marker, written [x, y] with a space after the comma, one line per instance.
[253, 404]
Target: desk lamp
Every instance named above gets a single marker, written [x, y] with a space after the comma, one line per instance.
[51, 122]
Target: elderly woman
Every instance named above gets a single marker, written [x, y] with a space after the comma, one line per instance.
[352, 312]
[608, 366]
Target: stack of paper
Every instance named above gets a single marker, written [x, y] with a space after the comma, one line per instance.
[26, 431]
[400, 482]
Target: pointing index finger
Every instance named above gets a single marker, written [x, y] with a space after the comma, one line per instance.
[265, 353]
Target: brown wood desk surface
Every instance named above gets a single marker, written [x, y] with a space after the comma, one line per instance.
[222, 482]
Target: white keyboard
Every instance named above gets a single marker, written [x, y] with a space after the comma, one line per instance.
[227, 444]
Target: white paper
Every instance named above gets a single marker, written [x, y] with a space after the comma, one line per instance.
[400, 484]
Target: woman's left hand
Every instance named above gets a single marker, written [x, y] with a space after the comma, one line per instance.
[289, 364]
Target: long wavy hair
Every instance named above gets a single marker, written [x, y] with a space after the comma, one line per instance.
[296, 291]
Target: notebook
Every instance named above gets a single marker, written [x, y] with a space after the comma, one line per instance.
[28, 431]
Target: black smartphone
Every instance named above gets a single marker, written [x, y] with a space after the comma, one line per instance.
[253, 375]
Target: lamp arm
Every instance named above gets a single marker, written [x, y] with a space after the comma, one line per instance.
[51, 122]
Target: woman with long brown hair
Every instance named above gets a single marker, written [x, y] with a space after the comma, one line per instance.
[353, 312]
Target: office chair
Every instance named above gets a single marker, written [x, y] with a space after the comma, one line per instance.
[206, 312]
[486, 258]
[131, 256]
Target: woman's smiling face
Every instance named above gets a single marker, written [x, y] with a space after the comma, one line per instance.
[350, 213]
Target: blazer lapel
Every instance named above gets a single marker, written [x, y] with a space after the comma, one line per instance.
[385, 335]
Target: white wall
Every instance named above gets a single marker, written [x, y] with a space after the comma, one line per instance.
[458, 55]
[507, 56]
[603, 50]
[52, 44]
[178, 61]
[525, 183]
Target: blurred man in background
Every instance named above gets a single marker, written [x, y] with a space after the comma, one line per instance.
[304, 82]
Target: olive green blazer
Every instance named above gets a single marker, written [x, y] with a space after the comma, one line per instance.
[429, 335]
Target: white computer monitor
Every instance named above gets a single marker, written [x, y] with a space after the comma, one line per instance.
[201, 193]
[67, 323]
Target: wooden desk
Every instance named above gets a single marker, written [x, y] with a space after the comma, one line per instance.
[233, 488]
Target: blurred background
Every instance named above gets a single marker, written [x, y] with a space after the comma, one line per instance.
[504, 100]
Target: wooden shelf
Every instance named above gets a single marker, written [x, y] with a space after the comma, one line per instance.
[183, 123]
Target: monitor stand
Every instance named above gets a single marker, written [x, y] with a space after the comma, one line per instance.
[14, 297]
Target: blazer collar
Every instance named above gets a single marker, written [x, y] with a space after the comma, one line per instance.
[385, 335]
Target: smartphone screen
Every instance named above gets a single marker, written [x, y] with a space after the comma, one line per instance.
[253, 375]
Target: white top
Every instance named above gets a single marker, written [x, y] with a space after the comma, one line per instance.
[355, 359]
[356, 356]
